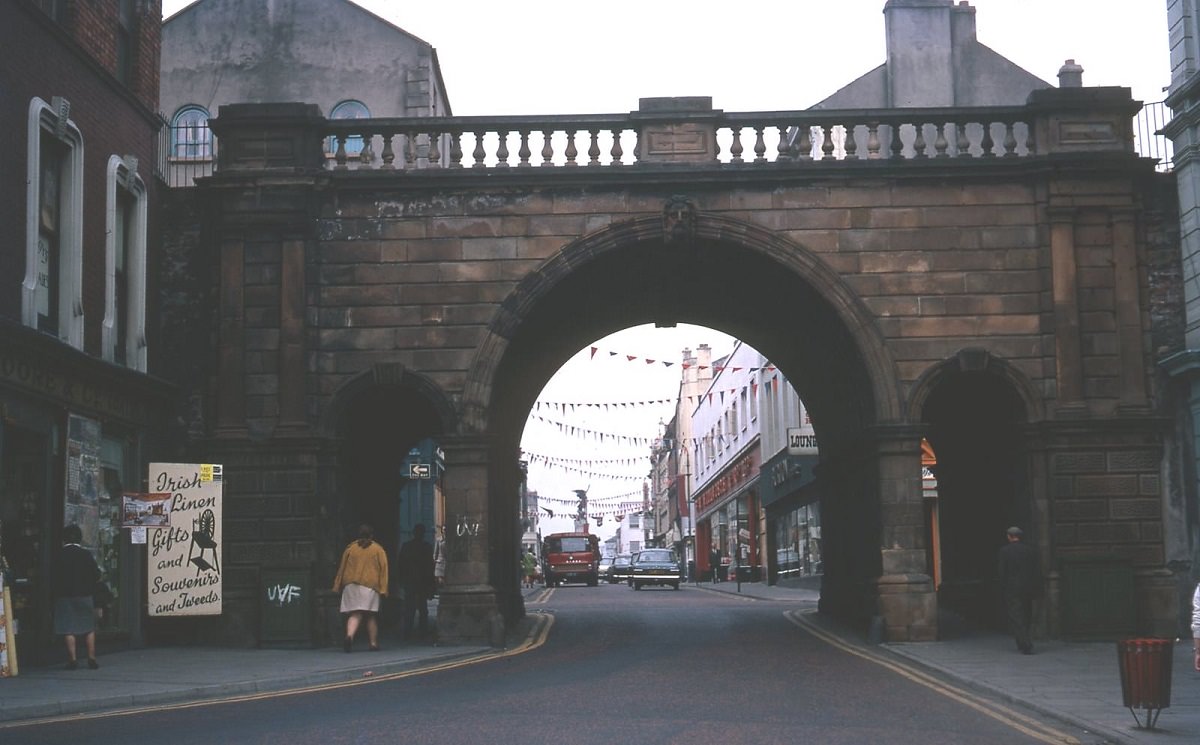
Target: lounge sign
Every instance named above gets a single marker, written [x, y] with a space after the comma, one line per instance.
[184, 559]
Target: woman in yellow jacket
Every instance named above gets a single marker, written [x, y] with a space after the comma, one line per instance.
[362, 579]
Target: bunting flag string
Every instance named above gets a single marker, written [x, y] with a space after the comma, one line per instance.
[591, 434]
[618, 500]
[572, 430]
[585, 472]
[572, 406]
[685, 365]
[619, 514]
[640, 461]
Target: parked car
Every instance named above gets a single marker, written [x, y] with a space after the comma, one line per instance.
[605, 563]
[654, 566]
[618, 571]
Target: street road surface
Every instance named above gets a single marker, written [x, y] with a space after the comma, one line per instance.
[619, 666]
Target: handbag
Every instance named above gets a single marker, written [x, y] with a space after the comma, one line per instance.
[102, 595]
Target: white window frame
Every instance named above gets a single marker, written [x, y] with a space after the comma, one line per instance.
[122, 174]
[55, 121]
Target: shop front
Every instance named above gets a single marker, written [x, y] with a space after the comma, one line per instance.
[74, 434]
[728, 520]
[791, 499]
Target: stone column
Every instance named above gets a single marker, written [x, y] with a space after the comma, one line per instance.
[292, 400]
[231, 379]
[907, 601]
[1129, 303]
[1068, 345]
[468, 612]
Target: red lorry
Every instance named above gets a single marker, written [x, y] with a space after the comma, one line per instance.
[571, 557]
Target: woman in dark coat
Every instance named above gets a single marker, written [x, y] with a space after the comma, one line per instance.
[75, 577]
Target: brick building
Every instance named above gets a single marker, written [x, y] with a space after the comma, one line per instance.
[79, 405]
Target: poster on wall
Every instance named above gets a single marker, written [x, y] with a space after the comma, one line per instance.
[149, 510]
[183, 576]
[8, 632]
[82, 499]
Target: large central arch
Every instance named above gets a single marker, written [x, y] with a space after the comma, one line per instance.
[758, 285]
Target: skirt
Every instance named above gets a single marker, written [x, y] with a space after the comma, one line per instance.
[358, 598]
[74, 615]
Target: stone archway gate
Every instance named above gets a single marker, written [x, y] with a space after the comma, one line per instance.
[1018, 231]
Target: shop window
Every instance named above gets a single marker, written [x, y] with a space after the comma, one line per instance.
[51, 292]
[124, 324]
[115, 474]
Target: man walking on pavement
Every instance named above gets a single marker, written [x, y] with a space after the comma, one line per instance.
[714, 558]
[417, 579]
[1020, 583]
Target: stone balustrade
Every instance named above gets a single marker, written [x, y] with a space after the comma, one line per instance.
[613, 141]
[677, 131]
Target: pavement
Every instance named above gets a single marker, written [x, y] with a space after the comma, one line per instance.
[1074, 682]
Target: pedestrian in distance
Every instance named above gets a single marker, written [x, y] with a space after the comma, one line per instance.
[529, 567]
[1196, 627]
[714, 559]
[439, 559]
[362, 578]
[417, 579]
[76, 575]
[1020, 583]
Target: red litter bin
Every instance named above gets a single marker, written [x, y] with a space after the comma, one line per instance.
[1146, 676]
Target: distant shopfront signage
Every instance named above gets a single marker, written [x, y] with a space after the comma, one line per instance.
[184, 573]
[72, 389]
[738, 475]
[785, 474]
[801, 441]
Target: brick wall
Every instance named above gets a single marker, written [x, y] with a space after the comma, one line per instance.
[94, 23]
[41, 60]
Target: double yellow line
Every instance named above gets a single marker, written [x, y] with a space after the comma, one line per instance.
[536, 637]
[1003, 714]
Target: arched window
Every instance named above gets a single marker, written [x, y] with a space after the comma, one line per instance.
[348, 109]
[191, 139]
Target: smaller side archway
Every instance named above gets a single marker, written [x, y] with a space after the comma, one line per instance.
[374, 420]
[975, 409]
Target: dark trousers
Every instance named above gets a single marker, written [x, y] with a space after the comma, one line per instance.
[1019, 610]
[415, 605]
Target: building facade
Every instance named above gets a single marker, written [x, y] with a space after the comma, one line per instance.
[81, 409]
[788, 490]
[726, 457]
[350, 62]
[1180, 359]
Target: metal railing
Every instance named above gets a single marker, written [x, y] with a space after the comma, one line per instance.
[1148, 139]
[186, 153]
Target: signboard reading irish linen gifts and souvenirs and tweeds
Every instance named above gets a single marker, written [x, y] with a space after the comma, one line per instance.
[184, 572]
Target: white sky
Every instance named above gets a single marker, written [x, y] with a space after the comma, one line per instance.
[556, 57]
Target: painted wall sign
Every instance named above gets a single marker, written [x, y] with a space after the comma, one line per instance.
[723, 485]
[184, 559]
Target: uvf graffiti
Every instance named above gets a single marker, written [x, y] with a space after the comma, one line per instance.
[282, 595]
